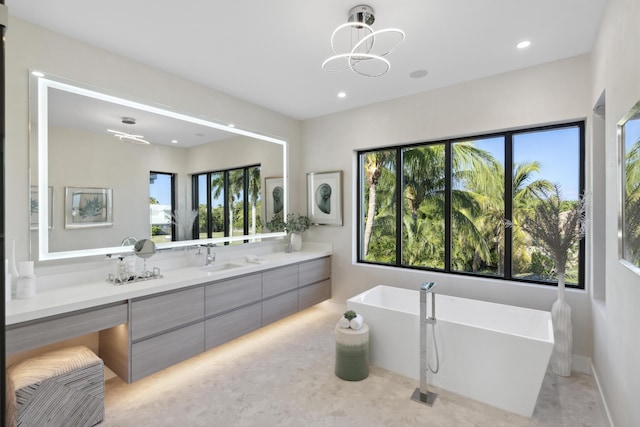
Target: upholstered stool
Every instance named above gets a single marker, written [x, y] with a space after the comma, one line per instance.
[352, 353]
[60, 388]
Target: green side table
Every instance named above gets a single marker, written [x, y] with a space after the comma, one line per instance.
[352, 353]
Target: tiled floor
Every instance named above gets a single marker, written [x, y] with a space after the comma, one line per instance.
[282, 375]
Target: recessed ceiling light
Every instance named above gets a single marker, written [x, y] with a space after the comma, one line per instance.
[342, 94]
[418, 74]
[231, 125]
[174, 141]
[523, 44]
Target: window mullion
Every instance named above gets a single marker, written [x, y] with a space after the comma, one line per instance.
[447, 205]
[399, 203]
[245, 200]
[582, 179]
[508, 204]
[225, 214]
[209, 208]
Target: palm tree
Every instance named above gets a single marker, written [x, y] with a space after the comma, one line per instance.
[525, 195]
[236, 190]
[217, 187]
[488, 190]
[475, 175]
[375, 164]
[254, 196]
[424, 187]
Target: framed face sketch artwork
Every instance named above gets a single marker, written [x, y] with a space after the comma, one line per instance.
[274, 198]
[324, 198]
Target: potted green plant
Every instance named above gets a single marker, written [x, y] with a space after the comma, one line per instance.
[293, 226]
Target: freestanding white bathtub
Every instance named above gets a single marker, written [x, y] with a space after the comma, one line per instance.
[493, 353]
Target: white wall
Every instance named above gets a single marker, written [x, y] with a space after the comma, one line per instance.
[616, 319]
[236, 152]
[549, 93]
[32, 47]
[84, 159]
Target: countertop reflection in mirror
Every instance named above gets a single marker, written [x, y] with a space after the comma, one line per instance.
[629, 179]
[71, 145]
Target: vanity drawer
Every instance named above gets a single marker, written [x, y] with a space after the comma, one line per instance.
[314, 271]
[150, 316]
[27, 335]
[229, 294]
[153, 354]
[223, 328]
[279, 280]
[313, 294]
[279, 307]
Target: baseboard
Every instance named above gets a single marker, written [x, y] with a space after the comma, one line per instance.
[603, 401]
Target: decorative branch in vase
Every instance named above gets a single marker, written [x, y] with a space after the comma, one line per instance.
[555, 226]
[183, 219]
[293, 226]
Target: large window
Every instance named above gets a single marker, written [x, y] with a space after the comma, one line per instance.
[456, 205]
[228, 202]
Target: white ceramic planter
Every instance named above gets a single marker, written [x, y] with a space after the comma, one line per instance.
[296, 241]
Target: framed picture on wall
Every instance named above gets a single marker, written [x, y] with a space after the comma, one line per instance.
[273, 197]
[324, 198]
[88, 207]
[35, 208]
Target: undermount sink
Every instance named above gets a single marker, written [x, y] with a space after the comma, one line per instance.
[220, 266]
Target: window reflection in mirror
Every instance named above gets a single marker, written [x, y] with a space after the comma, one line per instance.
[629, 169]
[163, 217]
[229, 202]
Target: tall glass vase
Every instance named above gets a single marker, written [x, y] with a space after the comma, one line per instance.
[287, 243]
[561, 356]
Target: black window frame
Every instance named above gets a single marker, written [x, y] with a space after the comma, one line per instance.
[174, 229]
[195, 186]
[508, 188]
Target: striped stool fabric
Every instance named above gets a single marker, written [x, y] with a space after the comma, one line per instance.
[60, 388]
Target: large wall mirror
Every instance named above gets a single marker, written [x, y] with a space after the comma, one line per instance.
[629, 170]
[91, 168]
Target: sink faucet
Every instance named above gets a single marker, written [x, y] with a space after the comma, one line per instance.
[211, 256]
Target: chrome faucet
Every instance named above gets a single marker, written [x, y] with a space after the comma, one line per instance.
[211, 256]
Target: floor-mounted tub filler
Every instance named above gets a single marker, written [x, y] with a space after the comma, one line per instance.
[493, 353]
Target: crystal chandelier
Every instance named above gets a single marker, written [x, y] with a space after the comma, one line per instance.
[359, 48]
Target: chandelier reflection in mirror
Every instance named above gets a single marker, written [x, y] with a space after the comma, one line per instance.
[129, 136]
[359, 48]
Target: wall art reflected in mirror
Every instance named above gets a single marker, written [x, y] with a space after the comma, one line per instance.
[87, 138]
[629, 174]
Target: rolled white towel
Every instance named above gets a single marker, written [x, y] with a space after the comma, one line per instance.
[356, 322]
[343, 323]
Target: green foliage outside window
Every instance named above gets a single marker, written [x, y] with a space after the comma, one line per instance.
[472, 205]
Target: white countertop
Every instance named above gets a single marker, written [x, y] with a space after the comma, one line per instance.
[93, 294]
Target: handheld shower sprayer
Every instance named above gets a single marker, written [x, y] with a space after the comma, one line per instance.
[421, 394]
[428, 288]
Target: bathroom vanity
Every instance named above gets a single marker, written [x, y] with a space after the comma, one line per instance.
[147, 326]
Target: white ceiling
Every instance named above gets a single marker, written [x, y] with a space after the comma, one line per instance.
[269, 52]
